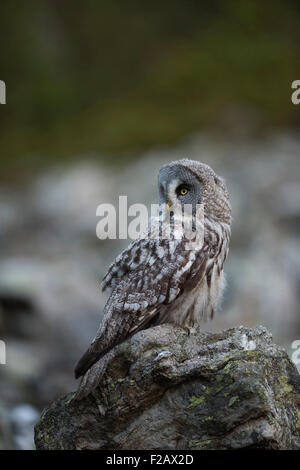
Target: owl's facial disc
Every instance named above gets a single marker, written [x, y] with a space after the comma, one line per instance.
[178, 186]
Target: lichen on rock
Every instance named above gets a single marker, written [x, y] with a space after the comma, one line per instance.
[167, 389]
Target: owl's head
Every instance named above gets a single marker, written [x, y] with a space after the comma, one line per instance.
[188, 182]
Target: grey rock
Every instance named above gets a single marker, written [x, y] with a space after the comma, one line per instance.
[167, 389]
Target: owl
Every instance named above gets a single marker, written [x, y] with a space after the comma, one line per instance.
[173, 273]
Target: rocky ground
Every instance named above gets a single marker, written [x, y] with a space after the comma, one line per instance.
[52, 262]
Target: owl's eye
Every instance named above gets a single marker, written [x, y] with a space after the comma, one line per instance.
[182, 190]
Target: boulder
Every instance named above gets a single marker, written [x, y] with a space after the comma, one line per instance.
[167, 388]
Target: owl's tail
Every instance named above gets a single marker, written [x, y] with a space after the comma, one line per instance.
[93, 376]
[86, 361]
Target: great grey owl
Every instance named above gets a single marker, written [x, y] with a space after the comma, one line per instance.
[173, 272]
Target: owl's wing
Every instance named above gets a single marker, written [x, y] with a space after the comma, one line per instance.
[128, 260]
[157, 277]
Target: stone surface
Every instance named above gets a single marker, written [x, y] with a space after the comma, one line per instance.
[167, 389]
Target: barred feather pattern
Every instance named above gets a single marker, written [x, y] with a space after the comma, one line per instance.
[161, 278]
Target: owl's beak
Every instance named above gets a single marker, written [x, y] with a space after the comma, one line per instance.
[169, 205]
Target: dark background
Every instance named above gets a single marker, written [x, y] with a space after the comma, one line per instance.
[115, 78]
[99, 95]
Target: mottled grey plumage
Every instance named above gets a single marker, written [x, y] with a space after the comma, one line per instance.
[169, 274]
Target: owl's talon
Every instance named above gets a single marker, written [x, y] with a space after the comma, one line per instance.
[189, 329]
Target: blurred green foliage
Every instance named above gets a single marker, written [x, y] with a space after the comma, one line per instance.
[114, 77]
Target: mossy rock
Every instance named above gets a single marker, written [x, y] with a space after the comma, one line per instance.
[231, 390]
